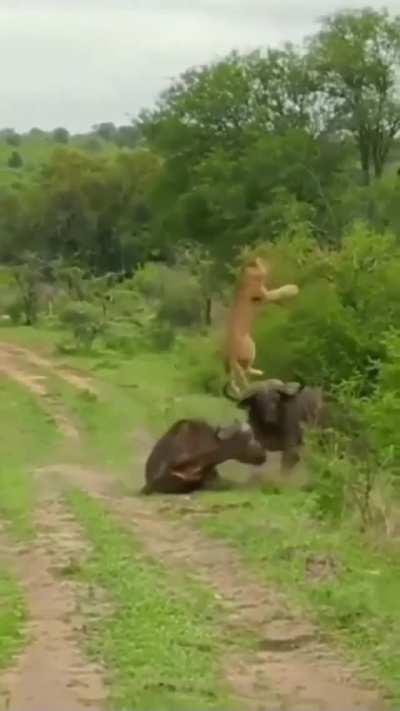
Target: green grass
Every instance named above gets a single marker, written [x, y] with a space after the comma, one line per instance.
[12, 618]
[160, 644]
[357, 601]
[27, 439]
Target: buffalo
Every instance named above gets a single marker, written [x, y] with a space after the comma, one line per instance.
[277, 413]
[186, 456]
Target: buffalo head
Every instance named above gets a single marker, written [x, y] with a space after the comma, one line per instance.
[238, 442]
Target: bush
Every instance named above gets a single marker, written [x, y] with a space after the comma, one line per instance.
[348, 300]
[15, 160]
[181, 303]
[84, 321]
[122, 337]
[381, 413]
[202, 363]
[160, 336]
[314, 338]
[15, 310]
[175, 293]
[149, 280]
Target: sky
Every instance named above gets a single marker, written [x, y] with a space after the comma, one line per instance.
[76, 63]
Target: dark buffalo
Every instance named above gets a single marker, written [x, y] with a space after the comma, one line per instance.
[186, 457]
[277, 413]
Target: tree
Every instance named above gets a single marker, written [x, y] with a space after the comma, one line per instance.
[13, 138]
[15, 160]
[61, 135]
[93, 145]
[106, 131]
[127, 136]
[37, 133]
[28, 276]
[93, 209]
[198, 261]
[230, 103]
[356, 57]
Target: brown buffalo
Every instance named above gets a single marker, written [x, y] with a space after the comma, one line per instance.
[277, 413]
[186, 457]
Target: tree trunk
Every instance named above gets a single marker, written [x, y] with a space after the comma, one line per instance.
[379, 158]
[208, 311]
[365, 171]
[364, 148]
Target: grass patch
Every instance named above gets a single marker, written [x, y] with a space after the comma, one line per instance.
[160, 644]
[27, 438]
[12, 618]
[352, 590]
[43, 340]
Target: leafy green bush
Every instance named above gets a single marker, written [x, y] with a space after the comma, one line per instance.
[84, 321]
[160, 336]
[181, 304]
[315, 338]
[381, 412]
[175, 292]
[348, 300]
[15, 309]
[149, 280]
[122, 337]
[202, 363]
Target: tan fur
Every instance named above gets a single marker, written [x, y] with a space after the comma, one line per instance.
[240, 349]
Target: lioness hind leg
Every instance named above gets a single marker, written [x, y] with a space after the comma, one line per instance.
[238, 373]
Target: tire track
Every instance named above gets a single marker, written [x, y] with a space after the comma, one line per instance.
[77, 380]
[36, 384]
[51, 673]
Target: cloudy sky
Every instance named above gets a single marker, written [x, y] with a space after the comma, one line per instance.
[78, 62]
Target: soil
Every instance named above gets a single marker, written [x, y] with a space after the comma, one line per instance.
[51, 673]
[77, 380]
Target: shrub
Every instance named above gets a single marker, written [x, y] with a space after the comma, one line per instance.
[181, 303]
[314, 338]
[123, 337]
[84, 321]
[15, 160]
[175, 293]
[202, 364]
[15, 309]
[160, 336]
[149, 280]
